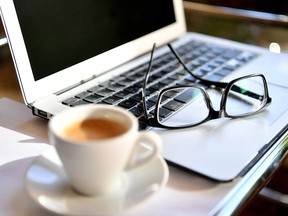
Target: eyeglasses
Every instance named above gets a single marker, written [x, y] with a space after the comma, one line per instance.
[185, 106]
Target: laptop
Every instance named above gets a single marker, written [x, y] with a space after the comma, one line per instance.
[68, 53]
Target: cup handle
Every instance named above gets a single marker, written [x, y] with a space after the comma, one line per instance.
[155, 147]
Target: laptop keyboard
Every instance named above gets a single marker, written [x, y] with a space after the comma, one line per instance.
[205, 60]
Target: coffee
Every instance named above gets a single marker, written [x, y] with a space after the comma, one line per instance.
[94, 128]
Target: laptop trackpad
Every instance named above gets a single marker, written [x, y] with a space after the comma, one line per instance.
[222, 148]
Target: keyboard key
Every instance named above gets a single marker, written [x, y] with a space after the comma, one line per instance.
[183, 82]
[197, 53]
[168, 58]
[191, 79]
[195, 63]
[214, 77]
[140, 74]
[199, 73]
[207, 69]
[169, 69]
[115, 87]
[246, 56]
[217, 50]
[150, 104]
[122, 94]
[112, 100]
[133, 77]
[214, 64]
[138, 84]
[69, 101]
[203, 59]
[183, 72]
[158, 86]
[204, 48]
[137, 97]
[223, 71]
[220, 60]
[106, 83]
[132, 89]
[233, 64]
[93, 98]
[189, 57]
[155, 66]
[94, 89]
[231, 54]
[185, 96]
[153, 99]
[150, 91]
[125, 82]
[104, 92]
[83, 94]
[166, 81]
[127, 104]
[170, 94]
[78, 103]
[137, 111]
[176, 76]
[164, 113]
[173, 105]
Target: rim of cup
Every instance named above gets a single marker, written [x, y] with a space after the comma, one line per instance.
[67, 117]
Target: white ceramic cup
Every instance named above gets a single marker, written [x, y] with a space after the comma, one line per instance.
[93, 167]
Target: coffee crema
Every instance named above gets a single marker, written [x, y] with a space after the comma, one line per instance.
[94, 128]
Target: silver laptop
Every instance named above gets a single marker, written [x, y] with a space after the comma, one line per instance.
[68, 53]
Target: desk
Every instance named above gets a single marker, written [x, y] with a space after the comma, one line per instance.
[185, 194]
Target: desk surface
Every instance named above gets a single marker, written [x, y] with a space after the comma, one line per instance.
[185, 194]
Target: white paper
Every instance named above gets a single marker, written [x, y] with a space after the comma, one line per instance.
[15, 146]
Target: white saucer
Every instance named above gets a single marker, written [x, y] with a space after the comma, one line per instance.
[47, 185]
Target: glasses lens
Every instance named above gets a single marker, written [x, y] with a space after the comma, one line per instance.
[246, 96]
[182, 107]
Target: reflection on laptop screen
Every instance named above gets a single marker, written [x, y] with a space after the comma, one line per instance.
[68, 32]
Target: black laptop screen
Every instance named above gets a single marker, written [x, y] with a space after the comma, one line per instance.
[59, 34]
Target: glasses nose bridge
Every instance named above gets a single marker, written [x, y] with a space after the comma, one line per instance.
[215, 114]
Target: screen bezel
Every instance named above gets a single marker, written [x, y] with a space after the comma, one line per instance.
[34, 90]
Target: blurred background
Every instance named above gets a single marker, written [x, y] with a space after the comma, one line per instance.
[263, 23]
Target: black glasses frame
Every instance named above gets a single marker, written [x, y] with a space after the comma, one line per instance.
[154, 121]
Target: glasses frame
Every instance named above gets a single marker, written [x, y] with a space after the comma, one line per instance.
[154, 121]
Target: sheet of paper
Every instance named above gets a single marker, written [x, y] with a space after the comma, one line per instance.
[15, 146]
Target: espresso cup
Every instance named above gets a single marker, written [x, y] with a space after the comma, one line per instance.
[97, 143]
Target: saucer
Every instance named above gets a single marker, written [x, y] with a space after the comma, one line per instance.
[47, 185]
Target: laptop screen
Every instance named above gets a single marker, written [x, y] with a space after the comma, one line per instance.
[66, 33]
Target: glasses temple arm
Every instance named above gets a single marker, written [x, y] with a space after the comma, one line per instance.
[146, 81]
[204, 81]
[249, 93]
[222, 85]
